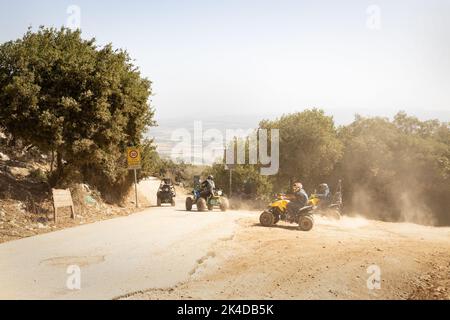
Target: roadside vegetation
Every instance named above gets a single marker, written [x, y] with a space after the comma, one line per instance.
[78, 104]
[73, 107]
[394, 170]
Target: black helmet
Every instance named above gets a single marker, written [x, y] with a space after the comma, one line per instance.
[210, 177]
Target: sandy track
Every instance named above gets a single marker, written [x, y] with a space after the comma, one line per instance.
[158, 247]
[168, 253]
[330, 262]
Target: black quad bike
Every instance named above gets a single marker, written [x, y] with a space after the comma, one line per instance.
[166, 193]
[215, 201]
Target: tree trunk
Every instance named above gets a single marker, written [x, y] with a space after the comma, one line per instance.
[52, 162]
[59, 166]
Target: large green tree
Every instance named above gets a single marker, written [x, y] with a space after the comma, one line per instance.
[81, 103]
[309, 147]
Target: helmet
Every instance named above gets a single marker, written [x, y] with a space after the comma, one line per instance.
[210, 177]
[297, 186]
[323, 187]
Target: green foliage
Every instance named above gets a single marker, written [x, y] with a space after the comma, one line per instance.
[309, 147]
[246, 180]
[81, 103]
[38, 175]
[397, 170]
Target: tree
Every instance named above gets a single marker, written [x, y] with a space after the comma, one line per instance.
[309, 147]
[397, 170]
[247, 182]
[78, 102]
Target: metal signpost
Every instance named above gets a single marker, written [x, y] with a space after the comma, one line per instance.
[134, 163]
[230, 168]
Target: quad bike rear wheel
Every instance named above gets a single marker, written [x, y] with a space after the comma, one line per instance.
[335, 214]
[201, 205]
[331, 213]
[172, 202]
[158, 202]
[224, 204]
[306, 223]
[189, 203]
[266, 219]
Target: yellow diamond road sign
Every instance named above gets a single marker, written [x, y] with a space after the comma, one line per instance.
[134, 158]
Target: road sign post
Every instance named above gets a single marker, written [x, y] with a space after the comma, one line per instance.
[134, 163]
[230, 168]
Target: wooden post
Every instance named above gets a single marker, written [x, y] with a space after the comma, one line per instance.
[231, 182]
[135, 188]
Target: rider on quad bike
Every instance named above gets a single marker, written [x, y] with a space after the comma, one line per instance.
[206, 197]
[298, 200]
[324, 195]
[208, 186]
[166, 192]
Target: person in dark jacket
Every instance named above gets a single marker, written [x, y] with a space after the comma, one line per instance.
[324, 195]
[208, 187]
[300, 198]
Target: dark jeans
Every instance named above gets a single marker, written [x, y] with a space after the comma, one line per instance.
[206, 194]
[294, 206]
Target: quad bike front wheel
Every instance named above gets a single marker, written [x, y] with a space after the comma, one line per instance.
[306, 223]
[172, 202]
[158, 202]
[189, 203]
[201, 205]
[224, 204]
[266, 219]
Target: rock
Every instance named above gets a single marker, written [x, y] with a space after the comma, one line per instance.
[4, 157]
[89, 200]
[19, 172]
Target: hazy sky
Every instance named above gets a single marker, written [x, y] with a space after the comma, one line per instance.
[270, 57]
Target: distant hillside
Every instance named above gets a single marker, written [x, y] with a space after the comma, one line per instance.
[166, 127]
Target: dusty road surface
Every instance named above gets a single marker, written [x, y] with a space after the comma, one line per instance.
[335, 260]
[168, 253]
[158, 247]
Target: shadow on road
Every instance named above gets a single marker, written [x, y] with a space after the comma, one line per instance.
[291, 228]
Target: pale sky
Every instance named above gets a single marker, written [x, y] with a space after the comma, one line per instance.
[270, 57]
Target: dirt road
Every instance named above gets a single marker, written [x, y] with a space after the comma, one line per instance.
[165, 253]
[335, 260]
[158, 247]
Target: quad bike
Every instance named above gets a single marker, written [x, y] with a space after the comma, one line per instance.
[216, 200]
[331, 208]
[166, 193]
[277, 211]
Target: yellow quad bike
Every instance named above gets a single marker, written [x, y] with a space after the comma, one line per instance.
[277, 211]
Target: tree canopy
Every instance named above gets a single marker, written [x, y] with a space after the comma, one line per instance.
[309, 147]
[81, 103]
